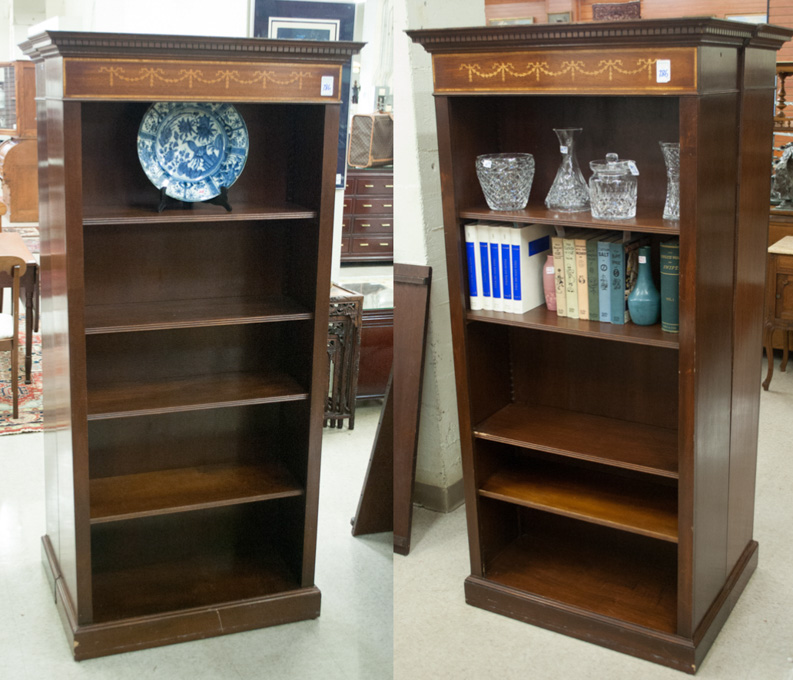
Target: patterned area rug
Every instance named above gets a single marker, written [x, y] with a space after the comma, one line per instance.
[29, 395]
[28, 232]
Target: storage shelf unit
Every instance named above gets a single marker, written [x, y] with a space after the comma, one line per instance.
[184, 349]
[609, 483]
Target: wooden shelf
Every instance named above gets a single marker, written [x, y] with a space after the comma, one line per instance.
[621, 576]
[119, 400]
[200, 580]
[645, 221]
[580, 435]
[619, 502]
[196, 212]
[193, 488]
[160, 315]
[543, 319]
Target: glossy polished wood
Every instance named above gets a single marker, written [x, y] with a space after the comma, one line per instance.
[185, 348]
[599, 403]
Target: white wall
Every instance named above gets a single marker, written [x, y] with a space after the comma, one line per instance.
[420, 225]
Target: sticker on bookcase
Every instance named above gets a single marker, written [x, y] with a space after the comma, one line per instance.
[663, 70]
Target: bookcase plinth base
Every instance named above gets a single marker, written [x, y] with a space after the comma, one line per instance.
[143, 632]
[678, 652]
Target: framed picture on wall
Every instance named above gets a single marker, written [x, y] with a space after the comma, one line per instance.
[512, 21]
[748, 18]
[305, 20]
[559, 18]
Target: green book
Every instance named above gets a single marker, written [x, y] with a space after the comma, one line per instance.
[570, 278]
[670, 286]
[592, 278]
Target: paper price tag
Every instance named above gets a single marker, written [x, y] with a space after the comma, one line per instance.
[663, 70]
[563, 149]
[549, 270]
[632, 167]
[326, 87]
[487, 164]
[642, 259]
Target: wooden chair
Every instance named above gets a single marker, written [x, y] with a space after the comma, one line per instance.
[12, 262]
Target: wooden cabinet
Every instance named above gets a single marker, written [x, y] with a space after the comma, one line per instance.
[368, 232]
[779, 226]
[18, 166]
[609, 484]
[185, 350]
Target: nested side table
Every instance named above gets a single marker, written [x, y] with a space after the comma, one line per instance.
[779, 301]
[344, 355]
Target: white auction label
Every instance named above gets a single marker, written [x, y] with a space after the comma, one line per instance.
[663, 70]
[549, 270]
[642, 259]
[563, 149]
[632, 167]
[326, 88]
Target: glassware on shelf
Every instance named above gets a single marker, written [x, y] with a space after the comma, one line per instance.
[671, 151]
[506, 179]
[569, 191]
[613, 188]
[644, 302]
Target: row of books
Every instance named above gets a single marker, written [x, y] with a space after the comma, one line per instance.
[594, 271]
[505, 265]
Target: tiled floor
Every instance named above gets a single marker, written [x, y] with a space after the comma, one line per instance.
[438, 636]
[351, 640]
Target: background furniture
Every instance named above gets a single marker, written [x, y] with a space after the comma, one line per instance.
[29, 285]
[18, 166]
[14, 255]
[609, 484]
[779, 302]
[377, 352]
[368, 222]
[344, 354]
[185, 352]
[412, 305]
[779, 226]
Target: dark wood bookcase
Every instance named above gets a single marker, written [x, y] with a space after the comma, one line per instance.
[184, 350]
[609, 470]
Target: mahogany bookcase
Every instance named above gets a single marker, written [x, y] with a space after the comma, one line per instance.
[185, 350]
[609, 470]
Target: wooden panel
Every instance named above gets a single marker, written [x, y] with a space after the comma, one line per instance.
[377, 352]
[567, 433]
[624, 71]
[151, 79]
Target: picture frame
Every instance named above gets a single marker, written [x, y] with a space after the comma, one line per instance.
[559, 17]
[748, 18]
[310, 20]
[510, 21]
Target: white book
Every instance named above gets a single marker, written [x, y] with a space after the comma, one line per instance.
[531, 246]
[506, 267]
[474, 266]
[494, 241]
[483, 240]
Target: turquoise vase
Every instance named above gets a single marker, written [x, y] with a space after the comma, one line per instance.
[644, 302]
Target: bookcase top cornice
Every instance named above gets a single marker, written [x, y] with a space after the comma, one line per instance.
[82, 44]
[689, 31]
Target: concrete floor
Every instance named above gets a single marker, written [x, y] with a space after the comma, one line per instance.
[437, 636]
[352, 639]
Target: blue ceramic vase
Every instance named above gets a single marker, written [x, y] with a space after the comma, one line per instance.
[644, 302]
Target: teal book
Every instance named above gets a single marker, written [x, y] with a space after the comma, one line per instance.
[604, 277]
[670, 286]
[592, 278]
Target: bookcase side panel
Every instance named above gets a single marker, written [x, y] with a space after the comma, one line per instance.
[455, 271]
[750, 264]
[715, 181]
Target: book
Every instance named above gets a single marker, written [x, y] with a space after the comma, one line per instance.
[604, 276]
[530, 247]
[505, 244]
[482, 237]
[474, 267]
[557, 250]
[624, 268]
[582, 273]
[670, 286]
[570, 274]
[494, 244]
[592, 277]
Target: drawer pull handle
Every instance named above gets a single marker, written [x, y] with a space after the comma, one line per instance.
[389, 186]
[364, 245]
[367, 205]
[383, 244]
[366, 225]
[385, 224]
[387, 205]
[368, 186]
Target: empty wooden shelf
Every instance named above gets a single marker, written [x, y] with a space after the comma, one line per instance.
[185, 348]
[609, 469]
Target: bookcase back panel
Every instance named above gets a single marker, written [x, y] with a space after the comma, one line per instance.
[170, 562]
[184, 353]
[242, 435]
[595, 376]
[628, 126]
[112, 174]
[150, 263]
[490, 379]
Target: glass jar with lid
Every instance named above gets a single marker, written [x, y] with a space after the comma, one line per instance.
[613, 188]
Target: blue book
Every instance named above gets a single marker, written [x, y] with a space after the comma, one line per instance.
[506, 267]
[604, 277]
[484, 257]
[495, 270]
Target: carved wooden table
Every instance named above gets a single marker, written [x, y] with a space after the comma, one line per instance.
[779, 301]
[344, 355]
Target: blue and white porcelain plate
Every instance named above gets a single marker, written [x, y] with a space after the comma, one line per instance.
[192, 149]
